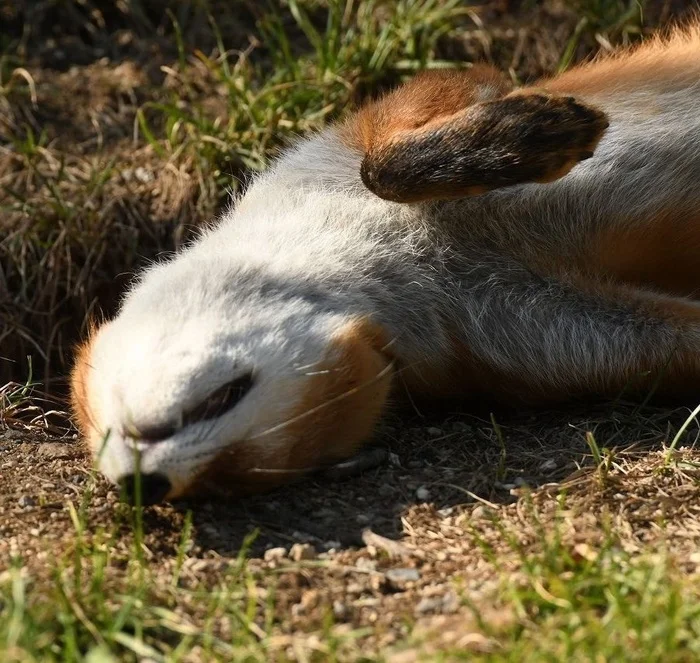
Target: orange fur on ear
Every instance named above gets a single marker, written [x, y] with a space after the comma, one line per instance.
[428, 97]
[451, 135]
[527, 136]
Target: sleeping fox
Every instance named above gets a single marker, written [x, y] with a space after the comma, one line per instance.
[454, 238]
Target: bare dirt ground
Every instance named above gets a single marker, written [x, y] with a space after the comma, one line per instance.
[399, 548]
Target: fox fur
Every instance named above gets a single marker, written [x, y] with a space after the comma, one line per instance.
[454, 238]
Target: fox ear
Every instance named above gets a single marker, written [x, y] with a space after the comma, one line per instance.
[464, 135]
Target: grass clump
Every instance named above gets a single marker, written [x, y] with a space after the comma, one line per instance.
[570, 586]
[100, 605]
[583, 603]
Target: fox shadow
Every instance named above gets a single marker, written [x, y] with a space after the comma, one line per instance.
[442, 460]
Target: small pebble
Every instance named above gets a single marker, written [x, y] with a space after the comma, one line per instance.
[429, 605]
[394, 460]
[400, 576]
[54, 450]
[548, 465]
[274, 554]
[26, 501]
[362, 519]
[378, 582]
[325, 514]
[385, 490]
[340, 610]
[144, 176]
[365, 564]
[480, 512]
[423, 494]
[448, 603]
[302, 551]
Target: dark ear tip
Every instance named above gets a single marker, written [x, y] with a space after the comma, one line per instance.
[367, 174]
[379, 181]
[601, 120]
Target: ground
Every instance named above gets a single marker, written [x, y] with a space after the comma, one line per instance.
[506, 541]
[500, 535]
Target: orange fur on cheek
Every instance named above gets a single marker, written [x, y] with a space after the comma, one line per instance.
[348, 395]
[336, 414]
[79, 388]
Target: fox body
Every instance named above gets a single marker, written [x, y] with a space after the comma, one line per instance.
[453, 238]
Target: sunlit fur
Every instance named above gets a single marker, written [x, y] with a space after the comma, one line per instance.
[517, 293]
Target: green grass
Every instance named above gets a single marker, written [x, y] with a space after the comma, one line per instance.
[589, 600]
[558, 599]
[614, 607]
[103, 602]
[98, 605]
[583, 603]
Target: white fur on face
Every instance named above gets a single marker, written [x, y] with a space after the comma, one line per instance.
[262, 292]
[179, 338]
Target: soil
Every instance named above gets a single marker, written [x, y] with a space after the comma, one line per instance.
[389, 547]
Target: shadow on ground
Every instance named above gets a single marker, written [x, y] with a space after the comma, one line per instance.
[443, 462]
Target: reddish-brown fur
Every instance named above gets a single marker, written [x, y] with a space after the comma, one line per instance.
[78, 381]
[663, 253]
[663, 63]
[430, 96]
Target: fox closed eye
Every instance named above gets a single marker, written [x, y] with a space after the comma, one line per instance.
[220, 401]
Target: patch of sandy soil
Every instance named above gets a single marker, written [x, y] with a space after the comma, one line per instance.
[394, 546]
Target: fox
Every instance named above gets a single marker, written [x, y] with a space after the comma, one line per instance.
[455, 238]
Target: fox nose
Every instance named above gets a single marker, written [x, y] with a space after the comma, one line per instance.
[153, 488]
